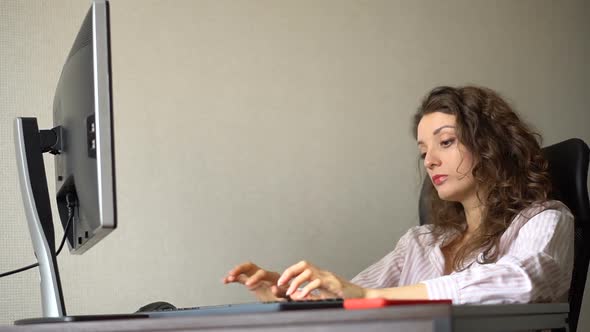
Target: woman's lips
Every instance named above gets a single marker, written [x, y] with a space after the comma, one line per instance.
[439, 179]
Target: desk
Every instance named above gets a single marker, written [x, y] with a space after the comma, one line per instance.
[510, 317]
[435, 318]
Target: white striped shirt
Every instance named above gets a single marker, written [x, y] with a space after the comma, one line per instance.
[534, 264]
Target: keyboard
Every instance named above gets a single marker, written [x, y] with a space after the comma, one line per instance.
[251, 307]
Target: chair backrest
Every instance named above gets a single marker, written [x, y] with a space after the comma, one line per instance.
[568, 167]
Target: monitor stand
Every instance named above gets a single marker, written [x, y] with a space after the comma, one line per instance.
[30, 145]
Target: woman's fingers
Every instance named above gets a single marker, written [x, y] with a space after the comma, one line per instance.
[228, 279]
[278, 291]
[292, 271]
[305, 291]
[252, 281]
[298, 280]
[242, 278]
[246, 268]
[251, 276]
[254, 278]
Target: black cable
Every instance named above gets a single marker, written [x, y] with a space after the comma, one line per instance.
[69, 204]
[65, 236]
[19, 270]
[63, 241]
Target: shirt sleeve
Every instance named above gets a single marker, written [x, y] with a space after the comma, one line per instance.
[537, 267]
[385, 272]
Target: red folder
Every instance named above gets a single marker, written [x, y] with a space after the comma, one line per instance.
[353, 304]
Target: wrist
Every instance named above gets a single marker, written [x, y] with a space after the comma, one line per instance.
[371, 293]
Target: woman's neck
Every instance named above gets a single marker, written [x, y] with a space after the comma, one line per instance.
[473, 214]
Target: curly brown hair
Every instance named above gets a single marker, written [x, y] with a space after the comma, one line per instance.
[508, 166]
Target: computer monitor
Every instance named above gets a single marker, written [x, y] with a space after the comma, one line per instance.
[82, 141]
[82, 108]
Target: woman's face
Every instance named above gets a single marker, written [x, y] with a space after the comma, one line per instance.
[448, 162]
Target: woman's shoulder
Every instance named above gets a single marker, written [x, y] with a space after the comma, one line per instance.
[540, 220]
[539, 207]
[546, 210]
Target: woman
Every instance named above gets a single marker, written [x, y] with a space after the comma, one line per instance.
[494, 237]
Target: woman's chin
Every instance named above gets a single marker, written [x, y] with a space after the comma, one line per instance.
[447, 196]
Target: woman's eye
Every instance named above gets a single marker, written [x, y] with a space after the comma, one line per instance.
[447, 143]
[422, 155]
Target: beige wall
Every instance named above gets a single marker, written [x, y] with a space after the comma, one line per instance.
[268, 130]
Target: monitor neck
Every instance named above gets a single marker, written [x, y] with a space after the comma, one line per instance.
[30, 144]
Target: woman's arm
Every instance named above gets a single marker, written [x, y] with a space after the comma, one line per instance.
[536, 267]
[412, 292]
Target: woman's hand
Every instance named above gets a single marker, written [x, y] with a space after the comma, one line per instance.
[261, 282]
[324, 284]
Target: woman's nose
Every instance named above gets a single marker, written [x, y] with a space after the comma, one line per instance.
[431, 160]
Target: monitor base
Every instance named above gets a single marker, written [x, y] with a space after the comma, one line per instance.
[82, 318]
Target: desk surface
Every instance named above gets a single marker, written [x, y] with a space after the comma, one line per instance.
[436, 317]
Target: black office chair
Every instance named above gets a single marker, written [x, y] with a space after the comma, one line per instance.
[568, 166]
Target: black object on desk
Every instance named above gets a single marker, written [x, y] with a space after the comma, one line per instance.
[165, 309]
